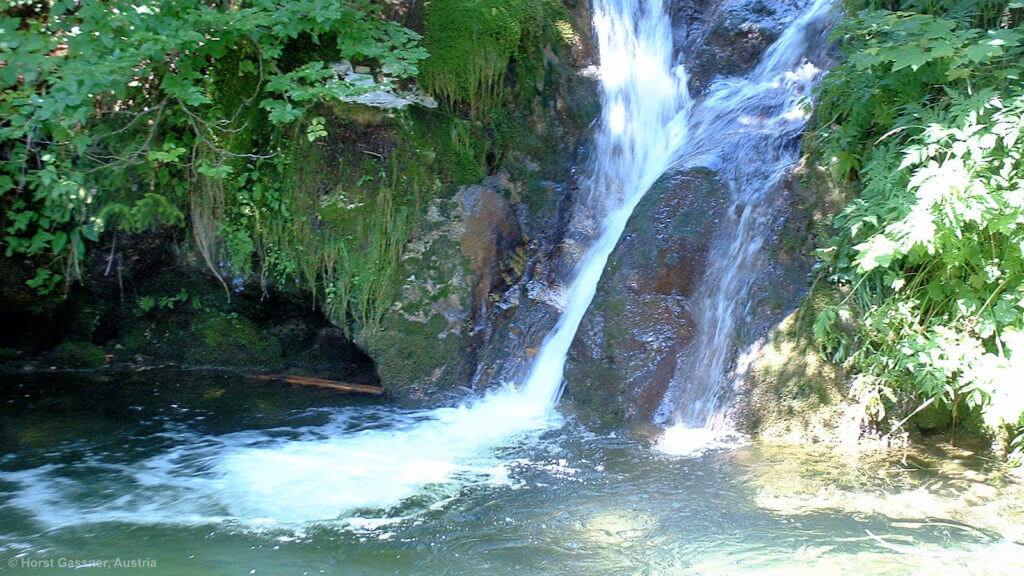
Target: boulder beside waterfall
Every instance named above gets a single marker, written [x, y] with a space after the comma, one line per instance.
[626, 351]
[460, 256]
[632, 346]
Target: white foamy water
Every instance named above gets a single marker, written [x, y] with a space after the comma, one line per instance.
[288, 477]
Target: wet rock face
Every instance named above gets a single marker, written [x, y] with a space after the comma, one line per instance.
[490, 233]
[628, 345]
[481, 276]
[726, 38]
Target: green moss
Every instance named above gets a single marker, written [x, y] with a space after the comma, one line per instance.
[235, 85]
[164, 336]
[79, 355]
[792, 388]
[615, 332]
[232, 340]
[455, 150]
[472, 43]
[360, 114]
[336, 224]
[408, 352]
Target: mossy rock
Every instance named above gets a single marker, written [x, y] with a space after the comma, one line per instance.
[163, 337]
[417, 359]
[470, 43]
[232, 340]
[79, 355]
[419, 346]
[793, 393]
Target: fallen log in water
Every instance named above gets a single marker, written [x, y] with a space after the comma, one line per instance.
[322, 383]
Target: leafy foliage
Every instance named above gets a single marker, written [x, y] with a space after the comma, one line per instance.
[926, 114]
[137, 113]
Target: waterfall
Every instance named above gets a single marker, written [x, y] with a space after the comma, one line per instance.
[644, 122]
[751, 127]
[274, 478]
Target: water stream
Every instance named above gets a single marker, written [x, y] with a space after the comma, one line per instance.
[747, 129]
[132, 469]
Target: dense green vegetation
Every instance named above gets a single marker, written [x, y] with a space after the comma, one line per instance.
[924, 118]
[231, 123]
[127, 115]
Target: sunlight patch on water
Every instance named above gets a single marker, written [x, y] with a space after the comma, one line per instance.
[998, 559]
[688, 442]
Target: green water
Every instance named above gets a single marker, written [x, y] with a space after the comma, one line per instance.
[131, 470]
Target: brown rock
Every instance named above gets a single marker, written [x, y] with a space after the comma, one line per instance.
[628, 346]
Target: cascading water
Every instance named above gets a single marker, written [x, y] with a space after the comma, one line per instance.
[750, 127]
[644, 124]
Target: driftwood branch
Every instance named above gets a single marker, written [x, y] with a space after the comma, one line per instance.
[321, 383]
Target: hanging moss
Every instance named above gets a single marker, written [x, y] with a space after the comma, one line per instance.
[470, 44]
[473, 42]
[459, 148]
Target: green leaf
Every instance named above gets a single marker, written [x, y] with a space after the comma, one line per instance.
[280, 112]
[89, 233]
[982, 51]
[823, 323]
[876, 252]
[218, 172]
[907, 55]
[170, 152]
